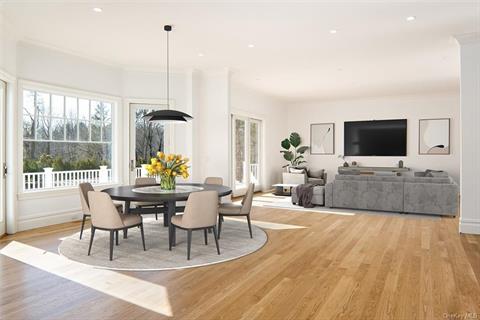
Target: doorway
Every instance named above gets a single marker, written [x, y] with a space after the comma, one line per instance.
[3, 104]
[246, 153]
[146, 137]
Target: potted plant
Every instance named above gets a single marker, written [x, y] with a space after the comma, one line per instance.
[167, 167]
[293, 152]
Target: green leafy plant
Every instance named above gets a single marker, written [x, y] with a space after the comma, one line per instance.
[295, 155]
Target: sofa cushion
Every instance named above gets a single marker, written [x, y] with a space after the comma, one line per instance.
[316, 182]
[427, 180]
[316, 173]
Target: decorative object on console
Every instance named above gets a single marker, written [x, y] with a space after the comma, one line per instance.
[294, 156]
[322, 138]
[345, 163]
[434, 136]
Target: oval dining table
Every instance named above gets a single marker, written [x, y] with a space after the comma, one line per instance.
[169, 199]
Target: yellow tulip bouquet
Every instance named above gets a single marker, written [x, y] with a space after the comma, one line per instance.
[167, 167]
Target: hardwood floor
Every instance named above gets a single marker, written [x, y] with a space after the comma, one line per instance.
[366, 266]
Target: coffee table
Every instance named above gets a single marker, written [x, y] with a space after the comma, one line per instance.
[283, 189]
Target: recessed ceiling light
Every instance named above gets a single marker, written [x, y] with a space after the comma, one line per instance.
[251, 45]
[410, 18]
[97, 9]
[200, 54]
[333, 31]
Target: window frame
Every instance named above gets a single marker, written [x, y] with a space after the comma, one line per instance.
[115, 115]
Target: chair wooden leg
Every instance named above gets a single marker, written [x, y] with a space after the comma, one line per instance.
[116, 237]
[111, 244]
[92, 234]
[143, 237]
[189, 243]
[205, 235]
[249, 226]
[165, 220]
[83, 225]
[220, 220]
[170, 238]
[156, 216]
[125, 233]
[216, 238]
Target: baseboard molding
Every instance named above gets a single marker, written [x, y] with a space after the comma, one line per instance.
[469, 226]
[49, 219]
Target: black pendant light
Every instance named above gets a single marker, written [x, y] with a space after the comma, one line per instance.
[168, 115]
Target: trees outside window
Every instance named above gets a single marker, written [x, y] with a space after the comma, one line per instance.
[65, 132]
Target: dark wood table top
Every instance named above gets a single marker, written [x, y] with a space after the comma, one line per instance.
[125, 193]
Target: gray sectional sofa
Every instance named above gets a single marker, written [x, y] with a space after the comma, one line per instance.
[423, 195]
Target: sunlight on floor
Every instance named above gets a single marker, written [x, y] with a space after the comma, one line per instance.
[268, 225]
[144, 294]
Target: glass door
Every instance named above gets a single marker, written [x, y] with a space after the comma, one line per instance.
[146, 138]
[3, 96]
[246, 153]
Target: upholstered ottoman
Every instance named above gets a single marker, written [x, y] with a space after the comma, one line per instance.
[318, 195]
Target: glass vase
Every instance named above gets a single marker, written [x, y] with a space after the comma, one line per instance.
[167, 182]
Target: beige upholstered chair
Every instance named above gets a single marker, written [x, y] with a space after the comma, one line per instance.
[230, 209]
[105, 216]
[214, 180]
[84, 188]
[145, 181]
[200, 213]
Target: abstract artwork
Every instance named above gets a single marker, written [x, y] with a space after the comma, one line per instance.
[322, 138]
[434, 136]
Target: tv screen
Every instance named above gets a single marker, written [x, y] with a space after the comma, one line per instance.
[375, 138]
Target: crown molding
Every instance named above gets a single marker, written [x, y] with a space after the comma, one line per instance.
[468, 38]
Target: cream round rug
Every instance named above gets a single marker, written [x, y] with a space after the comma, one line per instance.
[234, 243]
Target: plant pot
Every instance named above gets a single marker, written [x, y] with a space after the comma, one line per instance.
[167, 182]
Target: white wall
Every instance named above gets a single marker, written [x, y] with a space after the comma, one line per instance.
[212, 125]
[470, 113]
[247, 102]
[7, 46]
[53, 67]
[412, 108]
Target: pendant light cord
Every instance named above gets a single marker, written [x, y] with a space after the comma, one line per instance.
[168, 72]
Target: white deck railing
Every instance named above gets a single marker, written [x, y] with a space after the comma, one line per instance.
[33, 181]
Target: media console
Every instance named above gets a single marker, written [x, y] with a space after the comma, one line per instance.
[372, 170]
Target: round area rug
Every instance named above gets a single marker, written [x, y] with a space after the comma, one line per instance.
[234, 243]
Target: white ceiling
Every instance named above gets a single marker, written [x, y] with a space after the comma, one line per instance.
[375, 51]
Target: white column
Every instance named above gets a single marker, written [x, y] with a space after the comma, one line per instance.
[48, 177]
[470, 133]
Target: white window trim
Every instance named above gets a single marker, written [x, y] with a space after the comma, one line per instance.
[52, 89]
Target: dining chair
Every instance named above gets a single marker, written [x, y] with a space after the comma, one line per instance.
[105, 216]
[200, 213]
[84, 189]
[214, 180]
[145, 181]
[237, 210]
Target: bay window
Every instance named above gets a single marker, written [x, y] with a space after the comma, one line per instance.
[67, 139]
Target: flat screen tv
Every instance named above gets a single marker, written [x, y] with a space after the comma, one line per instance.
[375, 138]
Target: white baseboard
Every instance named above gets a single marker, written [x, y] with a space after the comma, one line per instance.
[51, 218]
[469, 226]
